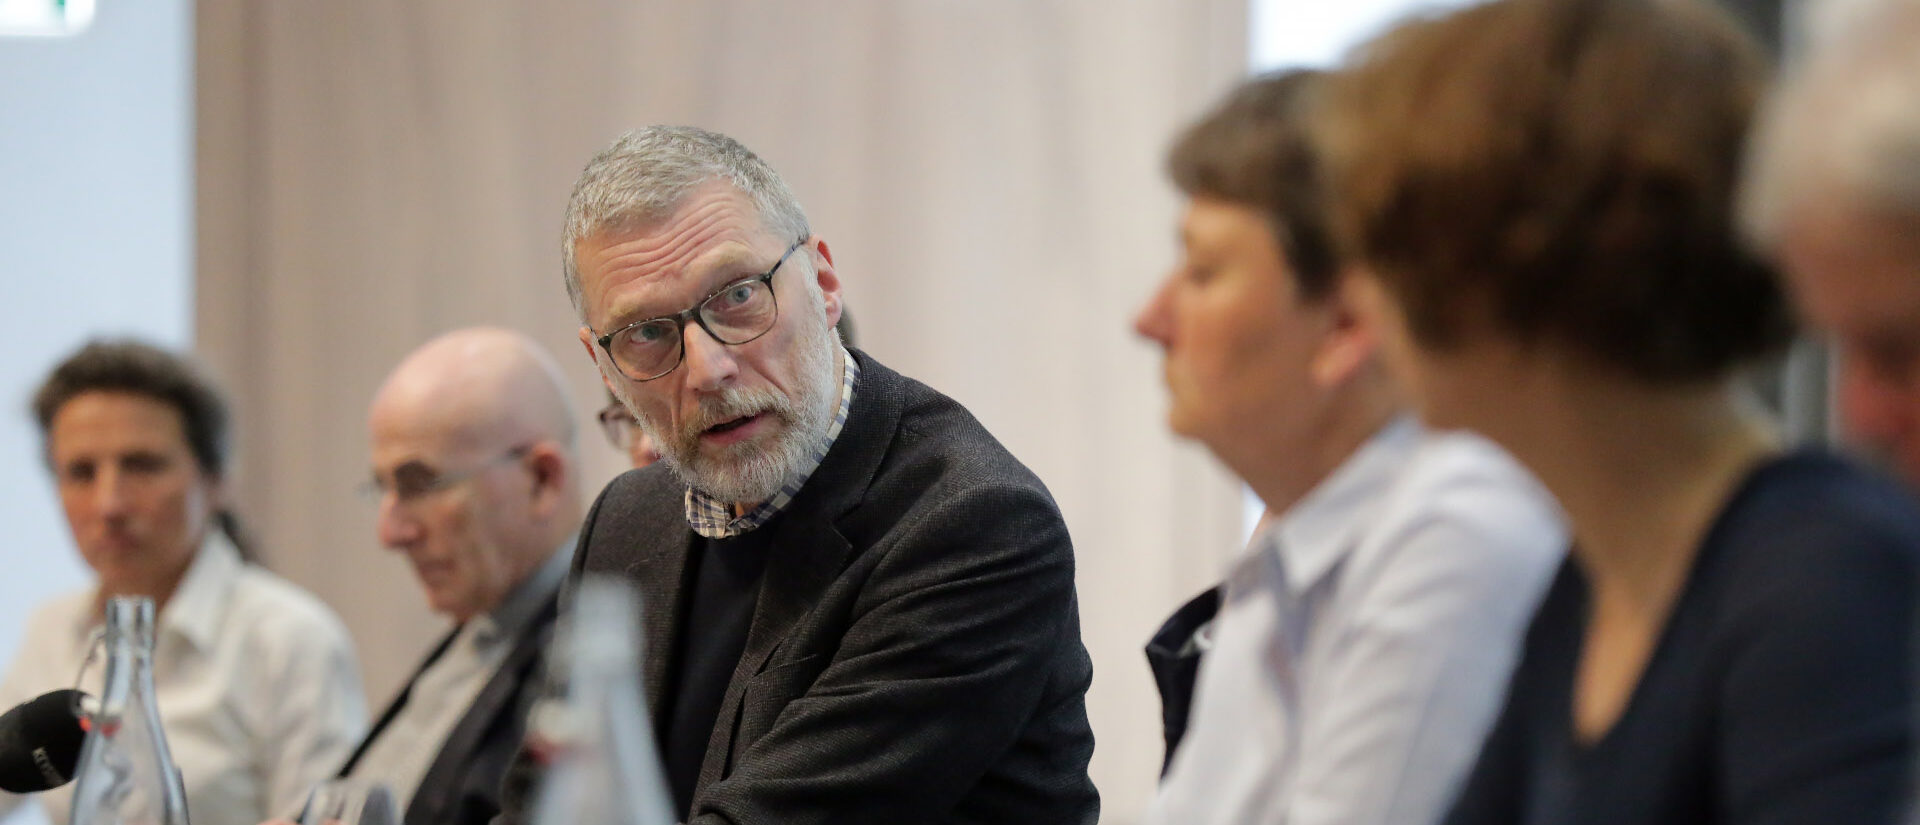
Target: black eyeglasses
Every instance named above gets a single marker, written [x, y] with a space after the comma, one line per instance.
[618, 424]
[733, 314]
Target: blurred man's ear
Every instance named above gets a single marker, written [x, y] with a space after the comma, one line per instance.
[1350, 344]
[548, 467]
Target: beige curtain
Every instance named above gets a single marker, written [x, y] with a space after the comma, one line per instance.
[986, 172]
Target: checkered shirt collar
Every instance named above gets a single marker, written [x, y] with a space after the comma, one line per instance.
[713, 518]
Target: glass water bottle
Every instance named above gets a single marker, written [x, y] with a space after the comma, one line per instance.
[126, 776]
[603, 767]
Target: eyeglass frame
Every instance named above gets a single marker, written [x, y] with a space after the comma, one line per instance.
[374, 490]
[680, 320]
[617, 424]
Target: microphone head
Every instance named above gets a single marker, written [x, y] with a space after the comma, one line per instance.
[40, 742]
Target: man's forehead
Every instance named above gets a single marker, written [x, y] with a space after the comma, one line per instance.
[642, 274]
[402, 436]
[709, 213]
[391, 453]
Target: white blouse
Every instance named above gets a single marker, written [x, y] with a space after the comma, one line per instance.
[256, 681]
[1364, 640]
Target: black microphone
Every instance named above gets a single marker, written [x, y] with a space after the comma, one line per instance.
[40, 742]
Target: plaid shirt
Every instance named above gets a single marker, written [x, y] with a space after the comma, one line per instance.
[713, 518]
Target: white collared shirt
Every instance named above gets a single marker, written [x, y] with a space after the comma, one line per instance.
[1364, 640]
[258, 689]
[406, 748]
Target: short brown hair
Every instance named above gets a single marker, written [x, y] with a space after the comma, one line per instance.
[137, 368]
[1560, 172]
[1254, 149]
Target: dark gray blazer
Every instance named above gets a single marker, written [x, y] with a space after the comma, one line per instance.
[462, 786]
[915, 654]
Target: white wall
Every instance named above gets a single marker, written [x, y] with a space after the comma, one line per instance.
[96, 237]
[1312, 33]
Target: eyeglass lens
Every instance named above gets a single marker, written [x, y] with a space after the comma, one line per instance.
[738, 314]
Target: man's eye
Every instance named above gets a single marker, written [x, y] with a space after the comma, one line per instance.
[79, 472]
[411, 481]
[743, 295]
[651, 333]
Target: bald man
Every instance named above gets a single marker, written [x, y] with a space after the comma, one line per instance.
[473, 457]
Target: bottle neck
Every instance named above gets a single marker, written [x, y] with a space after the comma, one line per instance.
[130, 619]
[128, 642]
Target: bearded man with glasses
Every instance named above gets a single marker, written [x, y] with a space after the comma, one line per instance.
[859, 607]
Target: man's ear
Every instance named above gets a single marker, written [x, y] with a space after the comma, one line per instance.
[549, 469]
[1350, 344]
[586, 340]
[824, 275]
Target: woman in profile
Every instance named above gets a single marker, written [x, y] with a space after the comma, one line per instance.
[255, 679]
[1540, 193]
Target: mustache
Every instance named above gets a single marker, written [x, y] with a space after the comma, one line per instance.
[737, 403]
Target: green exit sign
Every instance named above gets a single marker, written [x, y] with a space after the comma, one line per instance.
[44, 18]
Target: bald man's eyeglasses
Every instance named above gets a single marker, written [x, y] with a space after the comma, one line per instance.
[618, 424]
[733, 314]
[414, 481]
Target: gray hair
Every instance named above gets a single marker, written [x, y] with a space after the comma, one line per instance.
[645, 175]
[1845, 122]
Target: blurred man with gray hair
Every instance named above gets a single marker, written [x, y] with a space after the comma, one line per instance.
[859, 606]
[1833, 191]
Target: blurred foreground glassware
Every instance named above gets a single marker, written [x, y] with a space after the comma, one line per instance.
[126, 775]
[592, 731]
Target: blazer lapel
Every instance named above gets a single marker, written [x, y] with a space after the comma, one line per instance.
[663, 607]
[1174, 657]
[637, 531]
[441, 783]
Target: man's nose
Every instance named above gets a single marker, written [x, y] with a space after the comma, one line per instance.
[710, 364]
[396, 528]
